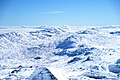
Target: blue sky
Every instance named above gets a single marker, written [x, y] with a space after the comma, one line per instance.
[59, 12]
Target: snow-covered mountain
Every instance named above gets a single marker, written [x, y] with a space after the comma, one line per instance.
[60, 53]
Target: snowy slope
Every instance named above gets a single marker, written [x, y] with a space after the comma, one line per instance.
[67, 52]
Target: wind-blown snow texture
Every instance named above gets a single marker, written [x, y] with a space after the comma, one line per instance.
[60, 53]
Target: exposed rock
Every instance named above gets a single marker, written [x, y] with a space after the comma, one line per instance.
[37, 58]
[74, 59]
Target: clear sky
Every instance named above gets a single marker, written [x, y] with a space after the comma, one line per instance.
[59, 12]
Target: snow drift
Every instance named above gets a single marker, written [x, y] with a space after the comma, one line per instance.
[43, 53]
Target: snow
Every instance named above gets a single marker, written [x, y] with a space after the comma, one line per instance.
[58, 73]
[60, 52]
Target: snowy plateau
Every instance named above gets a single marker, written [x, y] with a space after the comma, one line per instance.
[60, 53]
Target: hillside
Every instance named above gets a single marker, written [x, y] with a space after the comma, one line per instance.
[57, 53]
